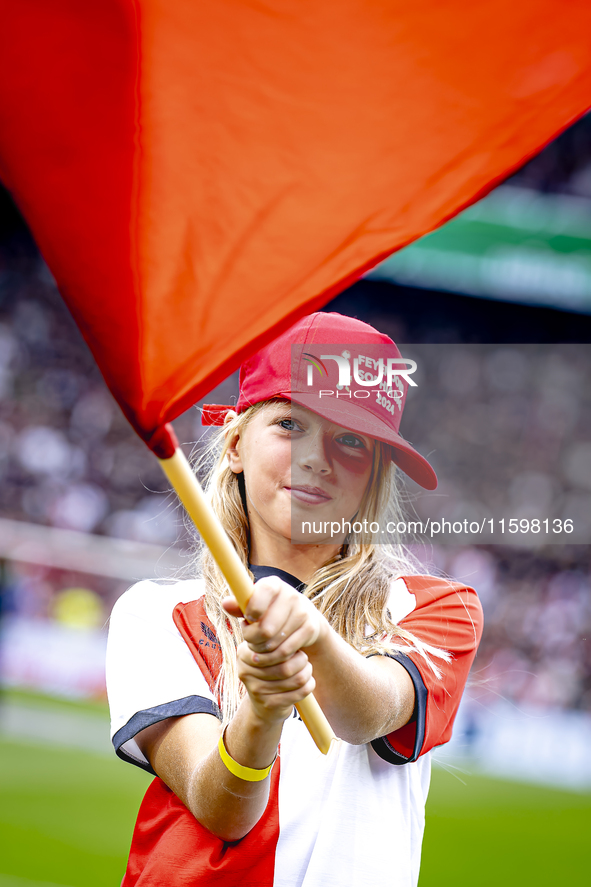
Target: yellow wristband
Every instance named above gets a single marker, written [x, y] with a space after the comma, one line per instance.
[247, 773]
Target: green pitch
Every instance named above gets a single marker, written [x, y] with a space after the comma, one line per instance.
[483, 832]
[66, 818]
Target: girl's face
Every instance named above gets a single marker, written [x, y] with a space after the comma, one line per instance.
[299, 468]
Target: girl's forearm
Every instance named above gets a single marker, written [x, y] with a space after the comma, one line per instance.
[187, 758]
[362, 698]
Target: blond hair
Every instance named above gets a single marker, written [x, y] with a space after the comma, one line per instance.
[351, 590]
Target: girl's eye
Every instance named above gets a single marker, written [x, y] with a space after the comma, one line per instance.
[350, 440]
[288, 424]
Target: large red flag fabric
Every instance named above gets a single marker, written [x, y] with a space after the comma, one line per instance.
[198, 175]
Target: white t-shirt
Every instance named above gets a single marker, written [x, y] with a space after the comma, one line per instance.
[354, 816]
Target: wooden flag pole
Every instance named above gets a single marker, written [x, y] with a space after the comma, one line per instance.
[179, 473]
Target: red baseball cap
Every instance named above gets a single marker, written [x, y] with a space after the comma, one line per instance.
[359, 384]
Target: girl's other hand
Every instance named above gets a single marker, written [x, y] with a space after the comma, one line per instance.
[271, 662]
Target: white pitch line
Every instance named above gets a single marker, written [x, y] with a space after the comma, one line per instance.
[37, 723]
[17, 881]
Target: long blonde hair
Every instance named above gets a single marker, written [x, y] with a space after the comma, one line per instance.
[351, 590]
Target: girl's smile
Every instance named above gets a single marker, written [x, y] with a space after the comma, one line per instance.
[309, 495]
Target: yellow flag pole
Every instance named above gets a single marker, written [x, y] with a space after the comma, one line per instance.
[179, 473]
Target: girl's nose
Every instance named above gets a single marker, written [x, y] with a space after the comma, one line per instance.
[315, 455]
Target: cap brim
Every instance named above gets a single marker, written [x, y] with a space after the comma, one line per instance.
[355, 418]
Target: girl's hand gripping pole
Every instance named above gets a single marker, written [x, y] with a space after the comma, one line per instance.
[179, 473]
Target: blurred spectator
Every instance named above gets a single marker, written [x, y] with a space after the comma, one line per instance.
[564, 165]
[535, 649]
[79, 608]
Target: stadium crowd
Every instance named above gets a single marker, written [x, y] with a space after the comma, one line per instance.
[564, 166]
[67, 455]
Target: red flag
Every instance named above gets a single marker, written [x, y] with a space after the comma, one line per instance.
[198, 175]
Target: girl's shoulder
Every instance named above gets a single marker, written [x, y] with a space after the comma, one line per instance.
[401, 601]
[412, 593]
[158, 598]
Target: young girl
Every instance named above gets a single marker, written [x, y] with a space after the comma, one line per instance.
[305, 487]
